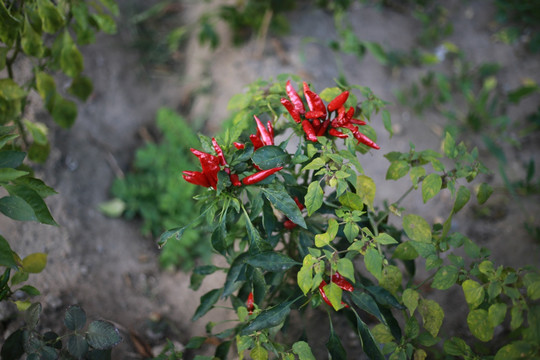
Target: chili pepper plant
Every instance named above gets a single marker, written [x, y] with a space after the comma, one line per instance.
[300, 226]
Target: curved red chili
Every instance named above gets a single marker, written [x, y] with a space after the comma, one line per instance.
[338, 101]
[310, 132]
[340, 281]
[316, 102]
[337, 133]
[209, 164]
[257, 143]
[219, 152]
[295, 98]
[260, 176]
[291, 109]
[365, 140]
[249, 303]
[357, 122]
[270, 130]
[298, 203]
[323, 127]
[239, 146]
[196, 178]
[264, 134]
[314, 114]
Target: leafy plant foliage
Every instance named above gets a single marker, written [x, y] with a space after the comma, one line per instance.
[308, 232]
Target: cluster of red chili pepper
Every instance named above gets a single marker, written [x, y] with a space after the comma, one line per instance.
[340, 281]
[318, 120]
[212, 164]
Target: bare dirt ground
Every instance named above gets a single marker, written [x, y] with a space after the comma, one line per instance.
[111, 270]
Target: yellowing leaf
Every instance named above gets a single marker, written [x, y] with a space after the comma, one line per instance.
[35, 263]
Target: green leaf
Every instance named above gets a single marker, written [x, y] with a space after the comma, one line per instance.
[7, 257]
[30, 290]
[474, 293]
[171, 234]
[405, 251]
[282, 201]
[271, 261]
[304, 277]
[410, 299]
[397, 170]
[17, 209]
[195, 342]
[391, 278]
[50, 15]
[479, 325]
[516, 350]
[334, 346]
[102, 335]
[259, 353]
[270, 156]
[373, 261]
[462, 197]
[38, 131]
[351, 231]
[366, 188]
[327, 237]
[9, 25]
[208, 301]
[352, 201]
[377, 51]
[449, 146]
[385, 239]
[431, 186]
[369, 345]
[457, 347]
[64, 111]
[11, 158]
[34, 263]
[387, 122]
[315, 164]
[13, 347]
[32, 314]
[75, 318]
[334, 293]
[496, 314]
[268, 318]
[105, 23]
[81, 87]
[10, 90]
[32, 198]
[113, 208]
[31, 42]
[367, 303]
[303, 350]
[46, 88]
[432, 315]
[71, 60]
[416, 173]
[314, 197]
[417, 228]
[77, 345]
[445, 277]
[483, 193]
[9, 174]
[346, 268]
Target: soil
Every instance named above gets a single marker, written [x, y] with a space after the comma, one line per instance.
[111, 270]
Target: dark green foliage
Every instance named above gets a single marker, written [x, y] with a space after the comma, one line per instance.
[520, 17]
[155, 191]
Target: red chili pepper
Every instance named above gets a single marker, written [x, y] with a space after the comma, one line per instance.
[249, 303]
[323, 127]
[219, 152]
[338, 101]
[295, 98]
[316, 102]
[349, 114]
[361, 137]
[257, 143]
[337, 133]
[310, 132]
[316, 124]
[291, 109]
[270, 130]
[260, 176]
[323, 294]
[239, 146]
[340, 119]
[357, 122]
[196, 178]
[235, 180]
[289, 225]
[340, 281]
[209, 164]
[314, 114]
[264, 134]
[298, 203]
